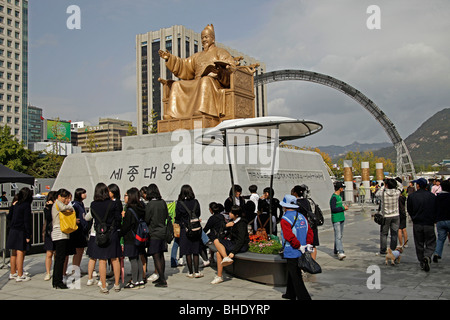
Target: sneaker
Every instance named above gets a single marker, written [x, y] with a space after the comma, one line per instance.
[91, 282]
[226, 261]
[47, 277]
[426, 264]
[153, 277]
[436, 258]
[131, 285]
[341, 256]
[23, 278]
[206, 264]
[217, 280]
[198, 275]
[190, 275]
[13, 276]
[161, 284]
[181, 262]
[117, 288]
[104, 290]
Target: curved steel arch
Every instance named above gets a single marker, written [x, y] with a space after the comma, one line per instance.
[405, 166]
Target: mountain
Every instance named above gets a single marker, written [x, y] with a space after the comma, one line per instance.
[339, 151]
[429, 144]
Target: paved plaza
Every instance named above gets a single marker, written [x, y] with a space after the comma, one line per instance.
[361, 276]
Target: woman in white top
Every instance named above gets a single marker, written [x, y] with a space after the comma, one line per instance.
[60, 238]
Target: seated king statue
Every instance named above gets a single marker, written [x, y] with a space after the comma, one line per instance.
[203, 76]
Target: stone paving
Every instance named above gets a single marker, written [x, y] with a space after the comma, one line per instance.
[350, 279]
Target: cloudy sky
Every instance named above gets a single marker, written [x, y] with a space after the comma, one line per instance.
[404, 67]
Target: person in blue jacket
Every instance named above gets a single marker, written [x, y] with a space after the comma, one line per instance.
[297, 237]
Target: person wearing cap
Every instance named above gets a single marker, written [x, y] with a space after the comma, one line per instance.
[297, 238]
[338, 218]
[421, 206]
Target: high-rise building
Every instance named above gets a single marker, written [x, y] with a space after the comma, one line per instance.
[35, 124]
[183, 43]
[14, 67]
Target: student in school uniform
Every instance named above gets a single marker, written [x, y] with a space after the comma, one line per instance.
[20, 232]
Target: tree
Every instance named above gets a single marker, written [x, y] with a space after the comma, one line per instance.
[367, 156]
[13, 153]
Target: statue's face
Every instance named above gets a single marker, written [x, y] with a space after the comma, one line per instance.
[207, 39]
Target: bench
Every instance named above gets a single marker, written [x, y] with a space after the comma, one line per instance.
[269, 269]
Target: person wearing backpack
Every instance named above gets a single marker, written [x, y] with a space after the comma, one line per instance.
[156, 216]
[305, 208]
[187, 215]
[107, 219]
[135, 210]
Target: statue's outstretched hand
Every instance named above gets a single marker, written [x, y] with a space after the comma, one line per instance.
[164, 54]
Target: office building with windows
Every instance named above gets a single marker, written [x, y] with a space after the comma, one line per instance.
[14, 67]
[183, 43]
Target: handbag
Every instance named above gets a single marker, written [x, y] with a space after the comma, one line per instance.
[67, 220]
[308, 264]
[261, 232]
[176, 230]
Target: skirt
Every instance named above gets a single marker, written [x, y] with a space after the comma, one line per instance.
[16, 240]
[78, 238]
[229, 245]
[131, 251]
[49, 245]
[188, 246]
[114, 250]
[156, 245]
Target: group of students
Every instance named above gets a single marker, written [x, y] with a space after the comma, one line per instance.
[226, 232]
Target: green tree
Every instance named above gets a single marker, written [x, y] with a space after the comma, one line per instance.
[13, 153]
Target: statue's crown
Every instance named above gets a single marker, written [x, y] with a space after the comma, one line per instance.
[210, 27]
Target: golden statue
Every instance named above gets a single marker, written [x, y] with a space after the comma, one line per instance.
[203, 76]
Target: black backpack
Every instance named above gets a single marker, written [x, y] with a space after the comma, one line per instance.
[142, 234]
[310, 216]
[193, 228]
[102, 229]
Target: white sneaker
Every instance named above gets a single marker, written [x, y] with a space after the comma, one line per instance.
[341, 256]
[47, 277]
[226, 261]
[181, 262]
[198, 275]
[23, 278]
[91, 282]
[217, 280]
[13, 276]
[190, 275]
[206, 264]
[153, 277]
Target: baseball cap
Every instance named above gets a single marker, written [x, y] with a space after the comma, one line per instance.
[421, 182]
[289, 201]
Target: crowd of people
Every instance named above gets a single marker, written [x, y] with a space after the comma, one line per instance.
[224, 234]
[426, 202]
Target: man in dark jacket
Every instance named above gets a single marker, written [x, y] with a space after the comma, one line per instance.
[421, 206]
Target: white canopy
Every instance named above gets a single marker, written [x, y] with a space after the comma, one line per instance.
[260, 130]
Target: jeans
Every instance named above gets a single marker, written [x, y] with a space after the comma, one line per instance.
[390, 224]
[338, 234]
[443, 227]
[173, 253]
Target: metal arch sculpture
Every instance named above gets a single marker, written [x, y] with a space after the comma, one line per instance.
[405, 166]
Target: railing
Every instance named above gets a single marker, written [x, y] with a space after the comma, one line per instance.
[37, 209]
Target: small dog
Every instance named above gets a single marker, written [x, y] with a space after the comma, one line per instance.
[394, 256]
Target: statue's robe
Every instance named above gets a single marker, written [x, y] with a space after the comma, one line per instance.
[197, 93]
